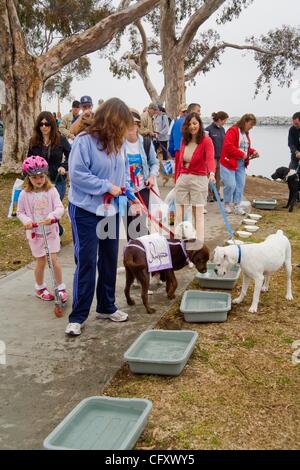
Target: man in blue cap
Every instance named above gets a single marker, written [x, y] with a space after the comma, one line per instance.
[86, 117]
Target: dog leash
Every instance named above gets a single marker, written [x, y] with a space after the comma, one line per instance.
[223, 213]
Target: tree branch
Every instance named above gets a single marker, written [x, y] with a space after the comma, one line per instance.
[142, 67]
[16, 29]
[92, 39]
[196, 20]
[215, 49]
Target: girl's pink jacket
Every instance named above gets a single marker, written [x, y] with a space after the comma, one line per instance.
[25, 210]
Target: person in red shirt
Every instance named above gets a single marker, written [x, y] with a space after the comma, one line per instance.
[196, 160]
[235, 156]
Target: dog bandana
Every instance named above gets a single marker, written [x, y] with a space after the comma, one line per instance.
[157, 252]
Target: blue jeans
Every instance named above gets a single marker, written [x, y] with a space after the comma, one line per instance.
[234, 183]
[92, 254]
[61, 185]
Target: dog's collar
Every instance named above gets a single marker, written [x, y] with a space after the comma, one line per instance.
[239, 254]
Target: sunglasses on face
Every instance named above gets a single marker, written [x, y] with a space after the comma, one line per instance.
[45, 124]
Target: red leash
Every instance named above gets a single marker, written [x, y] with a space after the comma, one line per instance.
[151, 217]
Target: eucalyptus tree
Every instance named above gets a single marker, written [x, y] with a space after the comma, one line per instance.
[40, 39]
[176, 33]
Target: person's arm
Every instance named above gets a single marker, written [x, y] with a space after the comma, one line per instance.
[209, 151]
[21, 212]
[171, 147]
[165, 124]
[153, 161]
[144, 130]
[66, 151]
[84, 120]
[58, 208]
[230, 146]
[80, 173]
[63, 128]
[292, 140]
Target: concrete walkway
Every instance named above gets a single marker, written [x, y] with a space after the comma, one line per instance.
[46, 373]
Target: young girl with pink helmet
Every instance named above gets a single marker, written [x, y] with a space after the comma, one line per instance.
[39, 203]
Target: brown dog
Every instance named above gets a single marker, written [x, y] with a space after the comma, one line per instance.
[135, 263]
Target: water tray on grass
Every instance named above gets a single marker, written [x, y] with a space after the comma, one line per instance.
[265, 204]
[101, 423]
[163, 352]
[211, 280]
[205, 307]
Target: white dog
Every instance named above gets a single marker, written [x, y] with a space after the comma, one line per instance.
[258, 261]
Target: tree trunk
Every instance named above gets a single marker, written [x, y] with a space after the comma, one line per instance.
[175, 85]
[23, 101]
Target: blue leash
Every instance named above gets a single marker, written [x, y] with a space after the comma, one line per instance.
[223, 213]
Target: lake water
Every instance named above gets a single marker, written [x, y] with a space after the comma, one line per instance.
[272, 144]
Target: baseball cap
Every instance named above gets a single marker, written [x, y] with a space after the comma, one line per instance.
[76, 104]
[135, 114]
[86, 100]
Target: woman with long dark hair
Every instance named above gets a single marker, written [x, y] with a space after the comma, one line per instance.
[47, 142]
[98, 165]
[196, 161]
[235, 156]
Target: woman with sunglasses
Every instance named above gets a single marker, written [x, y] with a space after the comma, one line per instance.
[48, 143]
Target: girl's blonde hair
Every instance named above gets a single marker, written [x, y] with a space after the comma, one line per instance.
[28, 187]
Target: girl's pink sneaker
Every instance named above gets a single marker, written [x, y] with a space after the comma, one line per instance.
[44, 294]
[63, 295]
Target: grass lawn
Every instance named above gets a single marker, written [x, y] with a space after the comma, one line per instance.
[239, 389]
[14, 249]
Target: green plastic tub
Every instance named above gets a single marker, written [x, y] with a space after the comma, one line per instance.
[211, 280]
[205, 307]
[101, 423]
[163, 352]
[265, 204]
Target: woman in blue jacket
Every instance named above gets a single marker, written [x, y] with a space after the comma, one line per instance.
[143, 168]
[97, 166]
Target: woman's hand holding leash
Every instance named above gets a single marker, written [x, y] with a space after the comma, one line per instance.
[116, 190]
[150, 182]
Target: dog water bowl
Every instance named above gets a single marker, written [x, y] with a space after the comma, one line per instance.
[251, 228]
[254, 216]
[234, 242]
[265, 204]
[163, 352]
[249, 222]
[101, 423]
[202, 307]
[211, 280]
[243, 234]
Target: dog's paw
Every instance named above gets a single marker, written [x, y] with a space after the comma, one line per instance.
[264, 289]
[151, 310]
[237, 300]
[252, 309]
[289, 297]
[171, 296]
[130, 302]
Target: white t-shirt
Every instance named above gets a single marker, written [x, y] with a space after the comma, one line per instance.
[135, 165]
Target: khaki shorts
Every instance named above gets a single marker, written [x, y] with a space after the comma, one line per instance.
[191, 190]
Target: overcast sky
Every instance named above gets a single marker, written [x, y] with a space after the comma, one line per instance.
[229, 87]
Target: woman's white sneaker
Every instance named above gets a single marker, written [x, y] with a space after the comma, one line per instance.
[118, 316]
[73, 329]
[228, 209]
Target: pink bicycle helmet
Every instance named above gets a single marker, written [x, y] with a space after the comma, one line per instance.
[34, 165]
